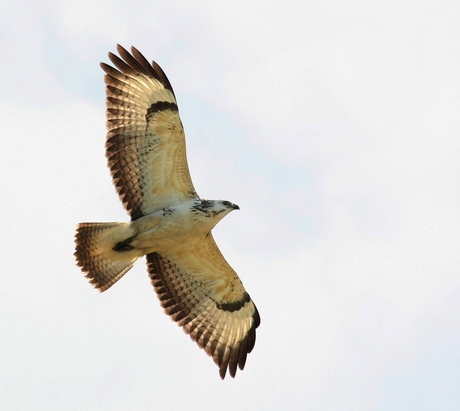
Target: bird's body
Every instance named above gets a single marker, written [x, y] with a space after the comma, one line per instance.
[170, 227]
[170, 223]
[161, 231]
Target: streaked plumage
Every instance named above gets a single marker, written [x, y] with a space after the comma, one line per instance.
[170, 224]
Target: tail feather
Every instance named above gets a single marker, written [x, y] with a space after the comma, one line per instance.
[96, 256]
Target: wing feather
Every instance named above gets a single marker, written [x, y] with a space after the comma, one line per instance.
[145, 144]
[201, 292]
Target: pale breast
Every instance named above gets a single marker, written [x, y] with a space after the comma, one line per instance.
[169, 227]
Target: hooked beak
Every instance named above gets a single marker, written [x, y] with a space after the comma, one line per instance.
[235, 207]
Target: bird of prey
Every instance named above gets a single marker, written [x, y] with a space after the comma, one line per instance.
[170, 224]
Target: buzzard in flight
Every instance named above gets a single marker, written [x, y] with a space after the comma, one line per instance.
[170, 223]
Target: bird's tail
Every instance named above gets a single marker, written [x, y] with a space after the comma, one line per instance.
[99, 254]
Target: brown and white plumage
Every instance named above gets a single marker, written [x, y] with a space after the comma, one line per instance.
[201, 292]
[170, 224]
[145, 144]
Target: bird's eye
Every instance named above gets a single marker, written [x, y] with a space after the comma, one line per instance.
[226, 203]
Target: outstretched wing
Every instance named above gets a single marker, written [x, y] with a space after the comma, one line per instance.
[201, 292]
[145, 144]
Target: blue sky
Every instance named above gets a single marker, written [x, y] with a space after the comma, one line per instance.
[333, 125]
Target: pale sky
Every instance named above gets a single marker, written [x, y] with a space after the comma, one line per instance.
[333, 125]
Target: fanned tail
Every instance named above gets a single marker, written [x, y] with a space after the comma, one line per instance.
[95, 254]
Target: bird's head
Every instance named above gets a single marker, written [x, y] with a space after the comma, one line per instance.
[214, 208]
[226, 205]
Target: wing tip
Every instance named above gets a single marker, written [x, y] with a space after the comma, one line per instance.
[134, 62]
